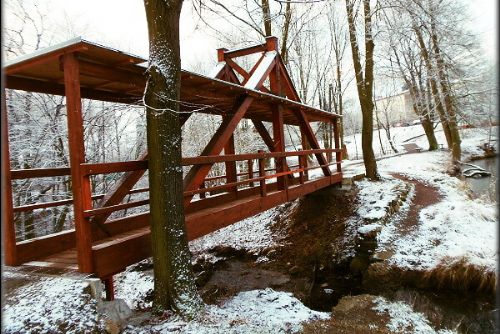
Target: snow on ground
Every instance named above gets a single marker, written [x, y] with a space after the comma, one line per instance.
[252, 234]
[374, 197]
[403, 319]
[50, 305]
[133, 287]
[456, 228]
[257, 311]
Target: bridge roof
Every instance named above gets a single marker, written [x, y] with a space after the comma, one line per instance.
[108, 74]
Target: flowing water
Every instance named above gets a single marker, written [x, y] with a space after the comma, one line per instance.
[485, 186]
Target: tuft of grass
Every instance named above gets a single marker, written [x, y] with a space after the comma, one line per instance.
[461, 274]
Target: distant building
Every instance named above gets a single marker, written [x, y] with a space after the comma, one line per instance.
[397, 107]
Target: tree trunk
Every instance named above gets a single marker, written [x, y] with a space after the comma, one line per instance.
[284, 36]
[456, 151]
[434, 89]
[364, 83]
[266, 15]
[174, 285]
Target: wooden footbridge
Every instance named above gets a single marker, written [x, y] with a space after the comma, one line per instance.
[102, 246]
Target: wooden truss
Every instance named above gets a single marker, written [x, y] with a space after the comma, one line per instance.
[80, 69]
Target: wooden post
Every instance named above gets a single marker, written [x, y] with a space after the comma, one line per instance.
[250, 172]
[338, 154]
[231, 173]
[202, 186]
[305, 146]
[262, 173]
[109, 288]
[82, 199]
[302, 164]
[8, 229]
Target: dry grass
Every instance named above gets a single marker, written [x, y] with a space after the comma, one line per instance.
[460, 274]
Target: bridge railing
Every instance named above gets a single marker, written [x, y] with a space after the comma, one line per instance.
[247, 178]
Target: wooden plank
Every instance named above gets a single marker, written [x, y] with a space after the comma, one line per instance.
[279, 144]
[241, 157]
[8, 228]
[38, 248]
[231, 165]
[31, 207]
[244, 51]
[47, 87]
[338, 154]
[44, 58]
[113, 74]
[125, 184]
[114, 167]
[80, 184]
[262, 72]
[197, 173]
[18, 174]
[111, 258]
[113, 208]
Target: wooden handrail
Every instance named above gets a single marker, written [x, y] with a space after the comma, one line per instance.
[127, 166]
[19, 174]
[44, 205]
[113, 208]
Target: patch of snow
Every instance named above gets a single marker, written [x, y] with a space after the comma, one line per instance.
[51, 305]
[375, 196]
[133, 287]
[257, 311]
[403, 319]
[252, 234]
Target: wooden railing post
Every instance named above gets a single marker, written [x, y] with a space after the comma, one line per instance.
[250, 172]
[338, 154]
[262, 174]
[82, 196]
[202, 186]
[302, 165]
[8, 229]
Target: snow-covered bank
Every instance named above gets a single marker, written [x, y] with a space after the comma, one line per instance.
[455, 229]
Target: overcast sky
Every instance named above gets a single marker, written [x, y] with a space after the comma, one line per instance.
[122, 24]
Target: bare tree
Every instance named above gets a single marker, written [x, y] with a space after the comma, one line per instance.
[174, 286]
[364, 80]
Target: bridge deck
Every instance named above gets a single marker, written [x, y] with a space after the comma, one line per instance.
[113, 254]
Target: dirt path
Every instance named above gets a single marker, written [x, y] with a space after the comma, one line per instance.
[425, 195]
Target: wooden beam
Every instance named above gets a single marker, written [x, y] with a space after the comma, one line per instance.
[245, 51]
[231, 172]
[8, 229]
[18, 174]
[46, 57]
[80, 184]
[279, 144]
[197, 173]
[48, 87]
[262, 71]
[311, 138]
[113, 74]
[336, 137]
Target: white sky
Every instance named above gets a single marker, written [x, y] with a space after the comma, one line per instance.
[122, 24]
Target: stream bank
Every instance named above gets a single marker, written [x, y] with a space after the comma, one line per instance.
[329, 256]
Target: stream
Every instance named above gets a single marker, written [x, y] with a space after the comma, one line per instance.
[485, 186]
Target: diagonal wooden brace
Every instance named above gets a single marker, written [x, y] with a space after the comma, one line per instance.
[197, 173]
[313, 142]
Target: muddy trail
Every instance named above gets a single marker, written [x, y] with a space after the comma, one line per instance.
[321, 261]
